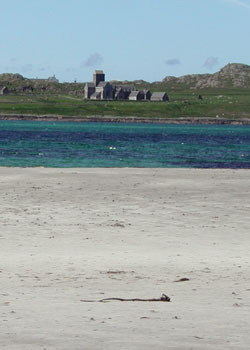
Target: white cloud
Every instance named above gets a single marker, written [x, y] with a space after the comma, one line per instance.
[28, 67]
[93, 60]
[211, 62]
[172, 61]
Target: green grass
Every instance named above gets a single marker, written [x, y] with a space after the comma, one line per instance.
[225, 103]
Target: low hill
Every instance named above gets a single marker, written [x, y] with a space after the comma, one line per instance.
[233, 75]
[18, 84]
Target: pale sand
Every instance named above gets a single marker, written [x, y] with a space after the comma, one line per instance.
[63, 233]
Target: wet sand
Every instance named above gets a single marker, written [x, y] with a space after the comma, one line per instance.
[73, 234]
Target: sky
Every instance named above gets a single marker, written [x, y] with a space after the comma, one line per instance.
[129, 40]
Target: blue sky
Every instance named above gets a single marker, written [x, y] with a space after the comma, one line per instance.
[131, 39]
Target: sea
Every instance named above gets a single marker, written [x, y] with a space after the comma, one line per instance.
[143, 145]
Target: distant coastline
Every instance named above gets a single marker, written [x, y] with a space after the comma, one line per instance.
[123, 119]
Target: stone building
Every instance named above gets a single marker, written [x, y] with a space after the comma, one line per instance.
[53, 79]
[159, 96]
[119, 94]
[122, 92]
[89, 90]
[95, 96]
[105, 90]
[147, 94]
[98, 76]
[100, 89]
[136, 96]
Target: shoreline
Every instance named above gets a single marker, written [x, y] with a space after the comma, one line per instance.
[128, 119]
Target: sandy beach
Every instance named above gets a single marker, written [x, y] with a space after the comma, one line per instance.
[73, 234]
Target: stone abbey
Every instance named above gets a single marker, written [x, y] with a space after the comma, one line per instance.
[100, 89]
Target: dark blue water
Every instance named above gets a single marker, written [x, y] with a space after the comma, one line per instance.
[59, 144]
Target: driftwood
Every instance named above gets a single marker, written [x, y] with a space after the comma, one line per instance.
[184, 279]
[164, 297]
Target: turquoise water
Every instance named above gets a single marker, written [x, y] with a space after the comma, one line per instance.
[65, 144]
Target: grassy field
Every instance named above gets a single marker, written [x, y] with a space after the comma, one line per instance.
[216, 103]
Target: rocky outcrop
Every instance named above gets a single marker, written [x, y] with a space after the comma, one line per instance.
[16, 83]
[11, 77]
[232, 75]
